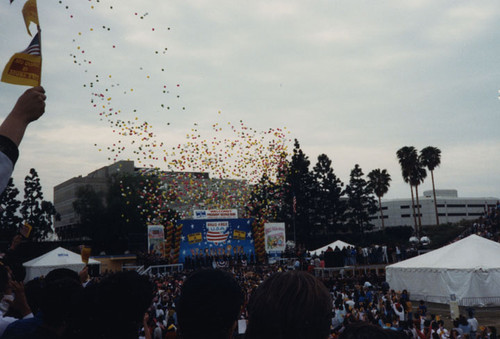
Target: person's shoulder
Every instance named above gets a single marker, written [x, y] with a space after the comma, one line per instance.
[22, 328]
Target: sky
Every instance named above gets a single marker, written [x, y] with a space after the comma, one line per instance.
[355, 80]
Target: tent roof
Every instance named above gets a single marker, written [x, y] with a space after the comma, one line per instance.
[473, 252]
[58, 257]
[338, 243]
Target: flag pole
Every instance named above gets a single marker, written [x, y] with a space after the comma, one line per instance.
[40, 43]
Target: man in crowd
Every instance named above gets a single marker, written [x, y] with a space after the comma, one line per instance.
[209, 305]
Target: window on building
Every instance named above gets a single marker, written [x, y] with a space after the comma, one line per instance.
[475, 214]
[404, 206]
[456, 206]
[457, 214]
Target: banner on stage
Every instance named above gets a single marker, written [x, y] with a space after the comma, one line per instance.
[275, 239]
[224, 237]
[216, 214]
[156, 239]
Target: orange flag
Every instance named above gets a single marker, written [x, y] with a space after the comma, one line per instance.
[25, 68]
[30, 14]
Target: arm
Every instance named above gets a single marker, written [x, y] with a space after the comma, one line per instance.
[29, 107]
[20, 303]
[145, 320]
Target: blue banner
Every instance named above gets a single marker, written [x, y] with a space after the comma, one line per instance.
[216, 237]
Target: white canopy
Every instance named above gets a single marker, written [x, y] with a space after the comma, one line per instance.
[468, 269]
[338, 243]
[58, 258]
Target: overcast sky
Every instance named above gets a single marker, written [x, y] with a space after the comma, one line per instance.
[355, 80]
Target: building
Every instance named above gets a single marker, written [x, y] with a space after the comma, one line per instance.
[451, 209]
[193, 190]
[65, 194]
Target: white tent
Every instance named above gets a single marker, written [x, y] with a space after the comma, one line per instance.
[338, 243]
[58, 258]
[469, 269]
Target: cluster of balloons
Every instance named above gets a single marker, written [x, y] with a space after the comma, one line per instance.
[217, 166]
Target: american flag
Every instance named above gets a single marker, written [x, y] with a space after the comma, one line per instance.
[217, 231]
[34, 47]
[216, 236]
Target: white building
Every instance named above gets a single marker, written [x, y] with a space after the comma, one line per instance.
[451, 209]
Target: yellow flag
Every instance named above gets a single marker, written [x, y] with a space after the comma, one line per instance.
[25, 68]
[30, 14]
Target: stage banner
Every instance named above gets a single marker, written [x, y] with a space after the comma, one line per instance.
[274, 235]
[156, 239]
[215, 214]
[216, 237]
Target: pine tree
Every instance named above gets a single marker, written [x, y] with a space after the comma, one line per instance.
[360, 201]
[36, 211]
[298, 187]
[329, 208]
[9, 205]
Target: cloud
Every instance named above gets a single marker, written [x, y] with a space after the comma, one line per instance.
[355, 80]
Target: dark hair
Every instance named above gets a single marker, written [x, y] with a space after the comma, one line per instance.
[121, 298]
[34, 292]
[289, 305]
[60, 301]
[209, 305]
[62, 273]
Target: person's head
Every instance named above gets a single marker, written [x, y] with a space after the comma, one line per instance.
[462, 320]
[122, 299]
[62, 273]
[289, 305]
[209, 305]
[60, 302]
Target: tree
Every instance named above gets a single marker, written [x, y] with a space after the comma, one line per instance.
[36, 211]
[264, 200]
[89, 206]
[9, 205]
[379, 182]
[430, 157]
[417, 176]
[413, 173]
[407, 156]
[297, 206]
[360, 202]
[328, 206]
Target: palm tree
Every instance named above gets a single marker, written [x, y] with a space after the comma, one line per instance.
[407, 157]
[379, 181]
[430, 157]
[417, 176]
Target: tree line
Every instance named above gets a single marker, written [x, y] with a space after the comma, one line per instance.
[315, 203]
[33, 209]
